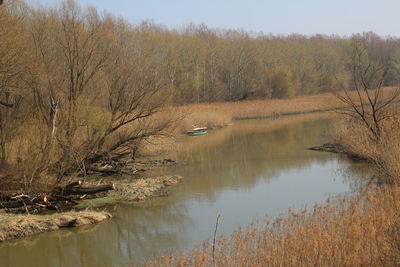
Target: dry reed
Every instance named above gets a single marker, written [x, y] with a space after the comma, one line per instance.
[358, 231]
[220, 114]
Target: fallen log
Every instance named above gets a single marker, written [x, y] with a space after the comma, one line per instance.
[92, 189]
[76, 188]
[105, 171]
[71, 185]
[60, 190]
[62, 198]
[18, 203]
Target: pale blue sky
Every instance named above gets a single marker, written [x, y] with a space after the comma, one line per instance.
[342, 17]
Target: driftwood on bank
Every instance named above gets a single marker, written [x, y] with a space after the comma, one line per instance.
[69, 193]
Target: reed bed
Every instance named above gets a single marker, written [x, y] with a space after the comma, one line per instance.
[220, 114]
[384, 153]
[358, 231]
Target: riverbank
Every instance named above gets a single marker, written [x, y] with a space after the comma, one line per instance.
[159, 225]
[14, 226]
[358, 230]
[219, 114]
[214, 115]
[137, 190]
[141, 189]
[340, 149]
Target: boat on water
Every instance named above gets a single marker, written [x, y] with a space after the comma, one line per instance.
[197, 131]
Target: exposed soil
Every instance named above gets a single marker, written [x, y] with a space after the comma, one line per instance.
[142, 189]
[14, 226]
[122, 182]
[134, 190]
[127, 166]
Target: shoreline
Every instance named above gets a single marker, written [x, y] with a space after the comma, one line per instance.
[340, 149]
[16, 226]
[277, 115]
[134, 189]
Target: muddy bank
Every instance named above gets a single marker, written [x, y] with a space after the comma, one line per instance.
[339, 149]
[142, 189]
[121, 176]
[14, 226]
[133, 190]
[126, 166]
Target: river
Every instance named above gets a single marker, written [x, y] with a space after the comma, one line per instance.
[248, 170]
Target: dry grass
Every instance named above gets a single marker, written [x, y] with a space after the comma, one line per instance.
[384, 153]
[220, 114]
[358, 231]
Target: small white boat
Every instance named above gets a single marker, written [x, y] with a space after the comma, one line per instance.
[197, 131]
[200, 129]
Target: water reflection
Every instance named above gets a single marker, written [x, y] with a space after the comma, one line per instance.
[249, 169]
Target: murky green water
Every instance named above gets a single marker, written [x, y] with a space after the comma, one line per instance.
[250, 169]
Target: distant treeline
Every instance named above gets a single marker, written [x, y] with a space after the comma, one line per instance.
[76, 84]
[206, 65]
[201, 64]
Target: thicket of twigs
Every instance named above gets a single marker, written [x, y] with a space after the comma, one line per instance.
[74, 89]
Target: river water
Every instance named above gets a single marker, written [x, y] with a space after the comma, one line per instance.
[248, 170]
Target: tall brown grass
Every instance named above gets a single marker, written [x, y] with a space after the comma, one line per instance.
[383, 153]
[358, 231]
[220, 114]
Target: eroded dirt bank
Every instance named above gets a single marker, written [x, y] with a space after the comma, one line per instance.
[13, 226]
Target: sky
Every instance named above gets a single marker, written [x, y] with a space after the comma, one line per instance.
[342, 17]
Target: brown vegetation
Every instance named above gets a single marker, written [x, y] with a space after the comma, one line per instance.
[73, 91]
[383, 153]
[361, 231]
[142, 189]
[220, 114]
[77, 87]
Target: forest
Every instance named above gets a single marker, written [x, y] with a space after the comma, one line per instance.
[77, 85]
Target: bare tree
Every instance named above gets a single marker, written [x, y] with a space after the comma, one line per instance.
[133, 84]
[368, 101]
[71, 49]
[13, 67]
